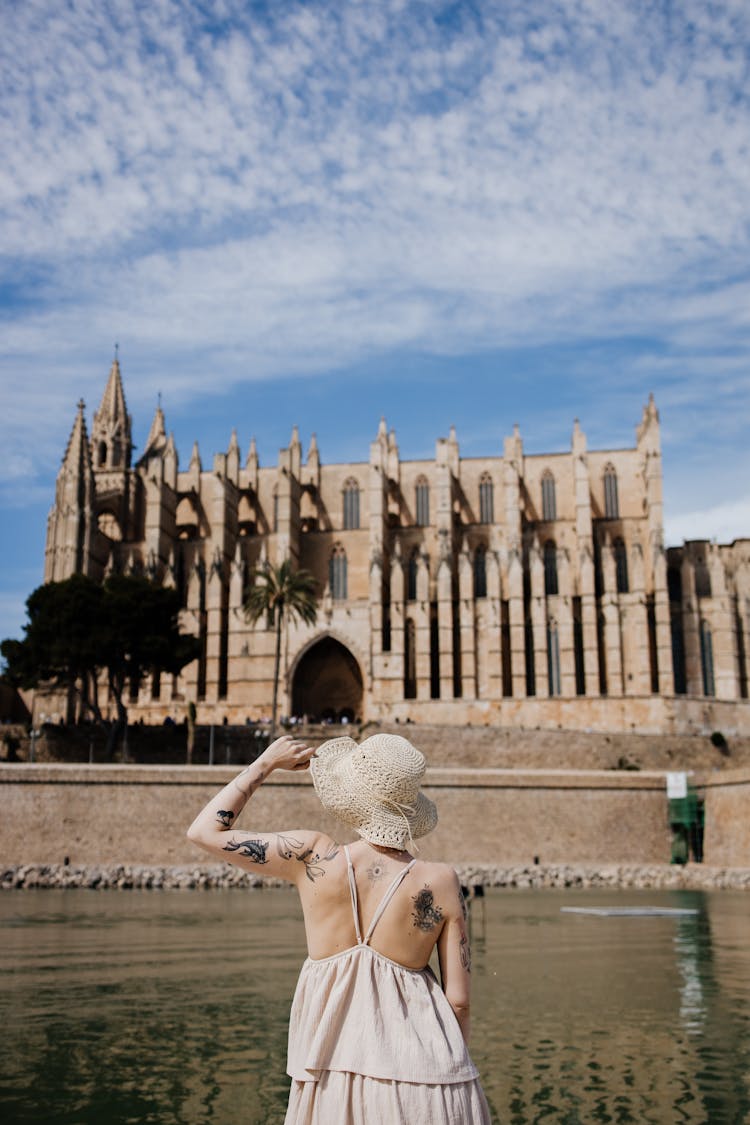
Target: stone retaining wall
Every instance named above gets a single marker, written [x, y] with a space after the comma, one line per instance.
[138, 815]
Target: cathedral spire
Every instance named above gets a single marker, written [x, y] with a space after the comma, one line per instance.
[69, 527]
[77, 456]
[156, 441]
[111, 437]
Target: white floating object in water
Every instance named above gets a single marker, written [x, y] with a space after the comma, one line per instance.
[629, 911]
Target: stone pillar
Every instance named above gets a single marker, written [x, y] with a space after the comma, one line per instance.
[636, 639]
[512, 474]
[538, 610]
[420, 613]
[517, 624]
[493, 625]
[562, 610]
[588, 623]
[663, 627]
[466, 623]
[288, 502]
[378, 534]
[445, 627]
[612, 625]
[723, 631]
[396, 663]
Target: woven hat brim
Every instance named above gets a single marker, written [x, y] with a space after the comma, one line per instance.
[339, 792]
[389, 828]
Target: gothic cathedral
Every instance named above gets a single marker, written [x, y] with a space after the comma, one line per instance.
[516, 590]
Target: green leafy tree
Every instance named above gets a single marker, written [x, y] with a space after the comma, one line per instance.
[141, 636]
[281, 594]
[62, 645]
[78, 629]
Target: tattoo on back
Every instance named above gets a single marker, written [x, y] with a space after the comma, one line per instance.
[290, 848]
[426, 914]
[254, 850]
[375, 871]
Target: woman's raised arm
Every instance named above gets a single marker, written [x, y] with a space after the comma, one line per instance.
[273, 852]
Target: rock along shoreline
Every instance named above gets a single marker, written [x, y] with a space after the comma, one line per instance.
[30, 876]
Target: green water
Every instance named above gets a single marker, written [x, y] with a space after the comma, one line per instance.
[171, 1007]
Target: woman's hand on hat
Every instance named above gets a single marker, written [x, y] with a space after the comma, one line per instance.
[288, 753]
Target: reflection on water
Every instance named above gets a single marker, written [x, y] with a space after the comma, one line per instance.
[171, 1007]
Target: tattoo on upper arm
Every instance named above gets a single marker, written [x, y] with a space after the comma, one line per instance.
[464, 905]
[226, 816]
[288, 847]
[251, 849]
[464, 950]
[426, 913]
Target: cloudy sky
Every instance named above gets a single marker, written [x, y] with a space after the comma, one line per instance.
[479, 213]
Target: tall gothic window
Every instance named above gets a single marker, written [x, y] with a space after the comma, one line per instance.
[611, 502]
[337, 573]
[550, 568]
[486, 499]
[410, 660]
[275, 510]
[553, 658]
[621, 566]
[351, 505]
[480, 571]
[707, 659]
[423, 502]
[549, 500]
[411, 575]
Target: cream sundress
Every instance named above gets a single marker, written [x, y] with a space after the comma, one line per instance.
[372, 1042]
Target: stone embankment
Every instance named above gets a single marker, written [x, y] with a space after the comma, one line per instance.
[537, 877]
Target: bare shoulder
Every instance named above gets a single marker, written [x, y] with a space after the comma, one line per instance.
[440, 874]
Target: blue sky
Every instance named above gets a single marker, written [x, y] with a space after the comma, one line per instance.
[476, 213]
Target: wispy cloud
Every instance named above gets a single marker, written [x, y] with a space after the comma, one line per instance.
[241, 191]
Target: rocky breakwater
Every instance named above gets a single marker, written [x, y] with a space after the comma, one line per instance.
[531, 876]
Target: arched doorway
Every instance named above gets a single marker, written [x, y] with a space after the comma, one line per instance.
[327, 683]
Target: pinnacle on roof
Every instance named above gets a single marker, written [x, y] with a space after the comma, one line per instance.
[313, 450]
[251, 461]
[157, 435]
[234, 446]
[195, 457]
[77, 456]
[112, 406]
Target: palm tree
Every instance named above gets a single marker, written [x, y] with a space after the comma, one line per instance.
[282, 594]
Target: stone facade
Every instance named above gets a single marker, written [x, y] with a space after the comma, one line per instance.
[531, 590]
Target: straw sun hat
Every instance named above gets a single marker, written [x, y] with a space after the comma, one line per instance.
[374, 788]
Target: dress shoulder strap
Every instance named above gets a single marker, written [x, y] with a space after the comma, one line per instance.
[353, 894]
[386, 899]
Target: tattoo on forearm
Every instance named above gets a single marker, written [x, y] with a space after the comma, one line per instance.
[226, 816]
[464, 950]
[375, 871]
[426, 913]
[289, 847]
[251, 849]
[464, 905]
[247, 793]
